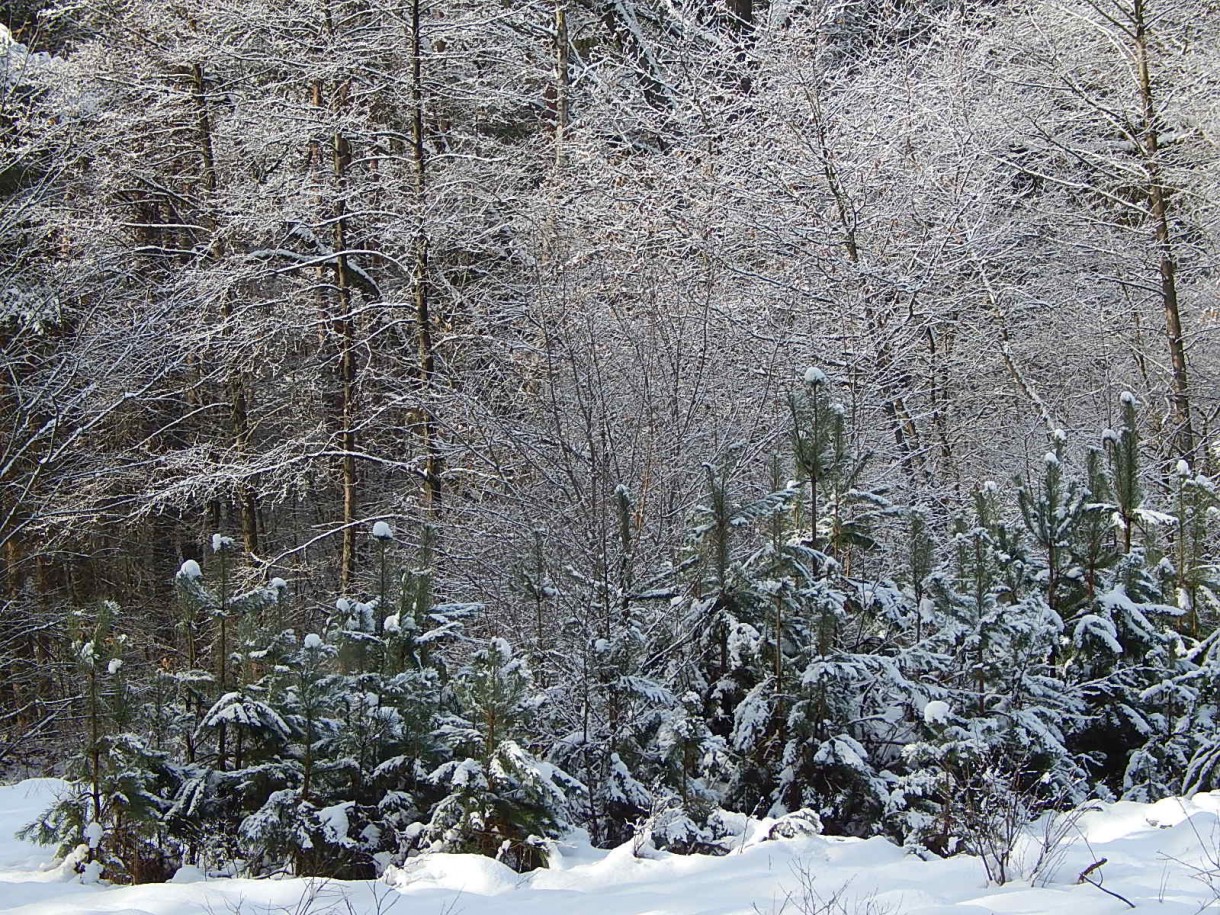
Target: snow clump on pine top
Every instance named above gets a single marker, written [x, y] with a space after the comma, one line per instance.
[936, 712]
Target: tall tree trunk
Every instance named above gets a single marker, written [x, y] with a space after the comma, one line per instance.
[893, 380]
[562, 81]
[1158, 199]
[345, 330]
[239, 416]
[341, 321]
[427, 426]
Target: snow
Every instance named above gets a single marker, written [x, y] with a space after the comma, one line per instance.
[190, 570]
[188, 873]
[94, 833]
[115, 665]
[1127, 398]
[221, 543]
[936, 712]
[814, 376]
[1154, 854]
[1183, 468]
[247, 713]
[383, 531]
[313, 641]
[334, 822]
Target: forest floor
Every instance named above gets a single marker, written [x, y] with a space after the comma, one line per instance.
[1162, 857]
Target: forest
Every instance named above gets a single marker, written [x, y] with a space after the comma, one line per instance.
[444, 424]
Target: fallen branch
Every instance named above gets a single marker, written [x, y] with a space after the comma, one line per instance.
[1085, 878]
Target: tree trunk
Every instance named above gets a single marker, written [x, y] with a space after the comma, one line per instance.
[342, 323]
[562, 81]
[345, 331]
[892, 380]
[239, 421]
[426, 428]
[1158, 199]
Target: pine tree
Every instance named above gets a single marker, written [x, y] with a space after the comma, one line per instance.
[1120, 640]
[819, 445]
[217, 613]
[233, 732]
[993, 732]
[112, 818]
[1051, 511]
[501, 801]
[1195, 501]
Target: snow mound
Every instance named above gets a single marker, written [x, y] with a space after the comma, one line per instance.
[188, 873]
[465, 874]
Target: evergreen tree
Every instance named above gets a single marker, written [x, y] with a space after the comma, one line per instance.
[217, 615]
[500, 800]
[994, 731]
[293, 804]
[112, 817]
[1119, 629]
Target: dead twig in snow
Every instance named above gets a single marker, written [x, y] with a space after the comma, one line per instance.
[1085, 878]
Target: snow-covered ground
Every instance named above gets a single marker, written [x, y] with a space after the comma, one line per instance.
[1154, 854]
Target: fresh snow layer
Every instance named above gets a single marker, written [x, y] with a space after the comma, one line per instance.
[1155, 855]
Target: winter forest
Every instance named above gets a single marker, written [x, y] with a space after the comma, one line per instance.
[437, 425]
